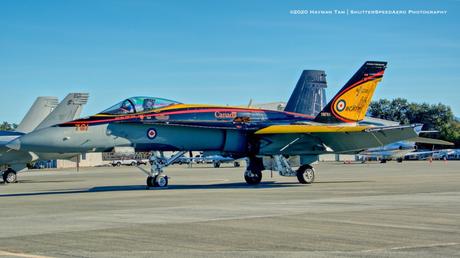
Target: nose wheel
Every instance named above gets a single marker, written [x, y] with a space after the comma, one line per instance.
[156, 177]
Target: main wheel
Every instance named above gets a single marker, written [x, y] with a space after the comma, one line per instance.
[161, 181]
[253, 177]
[306, 174]
[399, 160]
[9, 176]
[216, 164]
[236, 164]
[150, 181]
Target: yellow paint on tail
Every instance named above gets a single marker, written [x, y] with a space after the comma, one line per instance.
[352, 104]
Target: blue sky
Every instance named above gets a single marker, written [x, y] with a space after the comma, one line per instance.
[221, 52]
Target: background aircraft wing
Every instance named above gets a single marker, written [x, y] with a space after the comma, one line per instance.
[69, 109]
[431, 141]
[39, 110]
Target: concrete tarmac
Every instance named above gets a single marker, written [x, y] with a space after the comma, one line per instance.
[409, 209]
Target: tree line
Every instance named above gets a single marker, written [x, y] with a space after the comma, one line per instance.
[433, 117]
[5, 126]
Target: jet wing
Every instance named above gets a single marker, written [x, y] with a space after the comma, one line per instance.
[321, 139]
[287, 129]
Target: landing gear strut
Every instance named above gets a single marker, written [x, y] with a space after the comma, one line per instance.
[9, 176]
[156, 177]
[305, 173]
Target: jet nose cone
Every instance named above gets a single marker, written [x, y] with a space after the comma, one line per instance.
[14, 144]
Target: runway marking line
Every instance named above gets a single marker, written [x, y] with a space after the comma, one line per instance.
[5, 253]
[410, 247]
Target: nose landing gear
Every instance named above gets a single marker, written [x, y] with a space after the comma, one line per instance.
[156, 177]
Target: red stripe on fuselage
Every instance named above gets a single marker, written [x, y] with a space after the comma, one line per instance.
[185, 111]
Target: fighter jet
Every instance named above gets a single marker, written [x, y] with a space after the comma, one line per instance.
[157, 124]
[44, 112]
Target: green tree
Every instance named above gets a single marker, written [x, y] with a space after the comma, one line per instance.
[5, 126]
[433, 117]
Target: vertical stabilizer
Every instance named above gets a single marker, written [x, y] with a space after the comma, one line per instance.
[69, 109]
[309, 95]
[351, 103]
[41, 108]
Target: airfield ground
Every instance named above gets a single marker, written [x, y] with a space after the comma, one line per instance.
[408, 210]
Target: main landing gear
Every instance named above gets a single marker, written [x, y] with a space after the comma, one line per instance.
[9, 176]
[253, 175]
[156, 177]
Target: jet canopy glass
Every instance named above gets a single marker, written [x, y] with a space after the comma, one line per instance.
[138, 104]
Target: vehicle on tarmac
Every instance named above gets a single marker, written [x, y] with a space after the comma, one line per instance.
[157, 124]
[183, 160]
[129, 162]
[217, 160]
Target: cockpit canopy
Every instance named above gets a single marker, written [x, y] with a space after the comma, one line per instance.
[138, 104]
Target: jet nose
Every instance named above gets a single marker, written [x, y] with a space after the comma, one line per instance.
[34, 141]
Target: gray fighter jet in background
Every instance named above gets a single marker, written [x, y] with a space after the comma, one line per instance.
[44, 112]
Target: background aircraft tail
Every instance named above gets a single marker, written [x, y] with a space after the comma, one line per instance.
[309, 95]
[41, 108]
[69, 109]
[352, 101]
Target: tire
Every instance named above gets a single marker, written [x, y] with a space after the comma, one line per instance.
[399, 160]
[133, 163]
[253, 179]
[118, 164]
[150, 181]
[306, 174]
[236, 164]
[161, 181]
[216, 164]
[9, 177]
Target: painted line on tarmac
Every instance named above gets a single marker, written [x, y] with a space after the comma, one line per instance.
[397, 248]
[5, 253]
